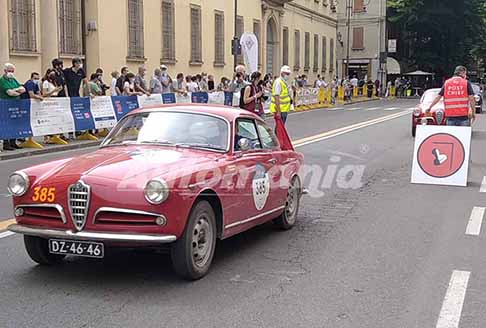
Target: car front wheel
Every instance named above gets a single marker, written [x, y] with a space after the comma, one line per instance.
[38, 250]
[288, 218]
[193, 253]
[414, 130]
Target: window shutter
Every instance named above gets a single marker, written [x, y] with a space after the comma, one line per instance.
[219, 38]
[297, 50]
[316, 52]
[168, 31]
[324, 54]
[358, 38]
[285, 46]
[331, 55]
[135, 29]
[358, 6]
[306, 51]
[257, 31]
[196, 53]
[70, 33]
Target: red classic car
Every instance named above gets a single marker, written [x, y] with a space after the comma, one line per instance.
[436, 115]
[182, 175]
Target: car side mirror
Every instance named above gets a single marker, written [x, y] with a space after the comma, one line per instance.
[243, 144]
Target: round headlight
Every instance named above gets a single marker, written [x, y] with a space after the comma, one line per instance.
[477, 98]
[417, 112]
[18, 183]
[156, 191]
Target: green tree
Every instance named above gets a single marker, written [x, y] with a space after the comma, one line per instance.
[440, 34]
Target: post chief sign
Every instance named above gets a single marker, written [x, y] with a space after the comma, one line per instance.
[441, 155]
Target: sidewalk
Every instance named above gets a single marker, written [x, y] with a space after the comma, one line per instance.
[77, 144]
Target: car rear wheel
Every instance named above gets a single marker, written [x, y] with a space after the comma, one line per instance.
[289, 216]
[193, 253]
[38, 250]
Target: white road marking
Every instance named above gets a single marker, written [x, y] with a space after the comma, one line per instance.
[343, 130]
[475, 221]
[483, 185]
[6, 234]
[450, 314]
[374, 108]
[351, 109]
[392, 108]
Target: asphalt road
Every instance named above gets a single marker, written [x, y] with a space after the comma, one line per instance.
[377, 253]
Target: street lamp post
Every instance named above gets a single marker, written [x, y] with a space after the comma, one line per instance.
[235, 39]
[348, 23]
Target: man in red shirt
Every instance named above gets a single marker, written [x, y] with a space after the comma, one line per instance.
[459, 99]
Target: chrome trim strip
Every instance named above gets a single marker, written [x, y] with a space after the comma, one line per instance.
[232, 225]
[71, 208]
[56, 206]
[83, 235]
[124, 211]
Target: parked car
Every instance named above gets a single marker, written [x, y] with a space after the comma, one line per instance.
[436, 115]
[478, 96]
[180, 175]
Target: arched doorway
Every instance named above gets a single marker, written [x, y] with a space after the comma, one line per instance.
[272, 41]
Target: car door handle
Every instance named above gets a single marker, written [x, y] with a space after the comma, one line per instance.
[272, 161]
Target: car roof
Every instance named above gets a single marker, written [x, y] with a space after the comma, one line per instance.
[226, 112]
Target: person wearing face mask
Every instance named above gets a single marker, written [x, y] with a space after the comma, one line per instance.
[251, 95]
[165, 79]
[57, 67]
[10, 89]
[129, 86]
[75, 78]
[281, 94]
[50, 88]
[155, 83]
[141, 82]
[32, 89]
[179, 85]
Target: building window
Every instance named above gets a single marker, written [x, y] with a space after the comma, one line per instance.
[307, 51]
[168, 31]
[331, 55]
[219, 38]
[196, 36]
[257, 30]
[240, 28]
[316, 52]
[358, 6]
[358, 38]
[70, 29]
[23, 35]
[135, 29]
[297, 50]
[285, 46]
[324, 54]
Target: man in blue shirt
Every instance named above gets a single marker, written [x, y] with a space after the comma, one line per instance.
[32, 89]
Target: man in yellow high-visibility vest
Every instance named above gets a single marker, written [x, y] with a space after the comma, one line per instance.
[282, 94]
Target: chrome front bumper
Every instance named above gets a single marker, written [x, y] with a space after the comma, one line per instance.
[95, 236]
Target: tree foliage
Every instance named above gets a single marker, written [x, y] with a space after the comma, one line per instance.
[440, 34]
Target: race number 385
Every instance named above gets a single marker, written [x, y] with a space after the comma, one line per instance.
[43, 194]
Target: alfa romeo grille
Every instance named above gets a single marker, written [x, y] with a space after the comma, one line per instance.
[79, 194]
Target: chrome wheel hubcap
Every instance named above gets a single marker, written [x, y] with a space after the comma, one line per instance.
[292, 201]
[202, 242]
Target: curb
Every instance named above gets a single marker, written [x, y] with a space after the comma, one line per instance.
[47, 150]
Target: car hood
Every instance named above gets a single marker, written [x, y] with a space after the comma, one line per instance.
[130, 162]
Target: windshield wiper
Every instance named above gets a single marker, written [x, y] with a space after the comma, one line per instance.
[158, 142]
[200, 145]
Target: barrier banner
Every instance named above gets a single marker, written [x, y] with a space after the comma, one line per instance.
[228, 98]
[51, 116]
[216, 98]
[200, 97]
[15, 119]
[183, 98]
[124, 105]
[152, 100]
[80, 109]
[103, 112]
[169, 98]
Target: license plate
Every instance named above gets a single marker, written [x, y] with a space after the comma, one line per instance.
[78, 248]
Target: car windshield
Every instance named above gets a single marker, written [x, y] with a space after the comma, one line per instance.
[171, 129]
[476, 88]
[429, 96]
